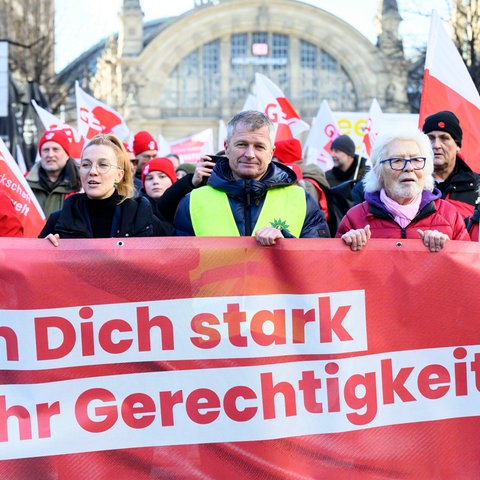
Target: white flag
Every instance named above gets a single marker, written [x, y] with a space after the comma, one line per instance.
[163, 146]
[251, 103]
[222, 135]
[273, 102]
[51, 122]
[94, 117]
[21, 160]
[320, 137]
[372, 128]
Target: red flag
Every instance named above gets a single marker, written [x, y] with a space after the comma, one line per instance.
[51, 122]
[273, 102]
[324, 130]
[447, 85]
[372, 128]
[94, 117]
[13, 183]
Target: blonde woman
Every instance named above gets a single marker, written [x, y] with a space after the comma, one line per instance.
[106, 208]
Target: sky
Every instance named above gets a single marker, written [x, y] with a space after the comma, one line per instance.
[81, 24]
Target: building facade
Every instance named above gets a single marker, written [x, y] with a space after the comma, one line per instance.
[180, 75]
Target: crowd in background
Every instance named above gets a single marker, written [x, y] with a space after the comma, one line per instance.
[415, 185]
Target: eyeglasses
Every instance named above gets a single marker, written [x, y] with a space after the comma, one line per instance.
[398, 164]
[101, 167]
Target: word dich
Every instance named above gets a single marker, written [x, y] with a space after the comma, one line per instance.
[87, 334]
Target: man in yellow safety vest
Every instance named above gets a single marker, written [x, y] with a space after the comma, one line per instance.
[248, 194]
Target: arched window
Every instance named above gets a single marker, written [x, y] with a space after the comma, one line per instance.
[322, 77]
[200, 82]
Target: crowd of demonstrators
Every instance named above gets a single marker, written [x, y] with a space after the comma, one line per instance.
[248, 194]
[10, 224]
[401, 200]
[248, 190]
[145, 148]
[453, 177]
[56, 175]
[105, 208]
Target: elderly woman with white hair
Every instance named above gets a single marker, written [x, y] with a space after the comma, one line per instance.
[400, 198]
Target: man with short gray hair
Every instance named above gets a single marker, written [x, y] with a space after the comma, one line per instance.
[248, 194]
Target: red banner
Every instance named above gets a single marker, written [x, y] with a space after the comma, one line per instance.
[13, 183]
[212, 357]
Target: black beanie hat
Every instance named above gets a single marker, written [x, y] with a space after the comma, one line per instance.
[345, 144]
[444, 121]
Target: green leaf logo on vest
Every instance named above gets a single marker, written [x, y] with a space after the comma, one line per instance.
[279, 224]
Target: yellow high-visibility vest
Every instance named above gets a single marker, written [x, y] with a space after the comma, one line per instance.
[284, 208]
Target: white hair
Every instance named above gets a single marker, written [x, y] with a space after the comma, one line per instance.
[373, 180]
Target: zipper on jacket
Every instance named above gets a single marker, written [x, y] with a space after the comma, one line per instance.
[248, 207]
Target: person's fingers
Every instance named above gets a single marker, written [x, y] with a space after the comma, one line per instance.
[53, 239]
[433, 239]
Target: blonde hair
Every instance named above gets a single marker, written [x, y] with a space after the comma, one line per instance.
[125, 186]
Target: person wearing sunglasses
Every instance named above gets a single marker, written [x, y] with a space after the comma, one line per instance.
[106, 207]
[400, 198]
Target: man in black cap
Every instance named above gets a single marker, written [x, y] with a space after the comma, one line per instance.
[346, 164]
[349, 168]
[453, 177]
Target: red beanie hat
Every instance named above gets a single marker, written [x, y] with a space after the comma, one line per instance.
[298, 171]
[288, 150]
[57, 136]
[162, 164]
[143, 141]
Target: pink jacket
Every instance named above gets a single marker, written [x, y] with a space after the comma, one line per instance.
[434, 214]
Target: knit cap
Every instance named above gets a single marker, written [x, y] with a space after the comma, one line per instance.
[162, 164]
[345, 144]
[186, 167]
[288, 150]
[444, 121]
[143, 141]
[57, 136]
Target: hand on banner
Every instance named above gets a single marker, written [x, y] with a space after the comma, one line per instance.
[433, 239]
[267, 235]
[357, 239]
[53, 238]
